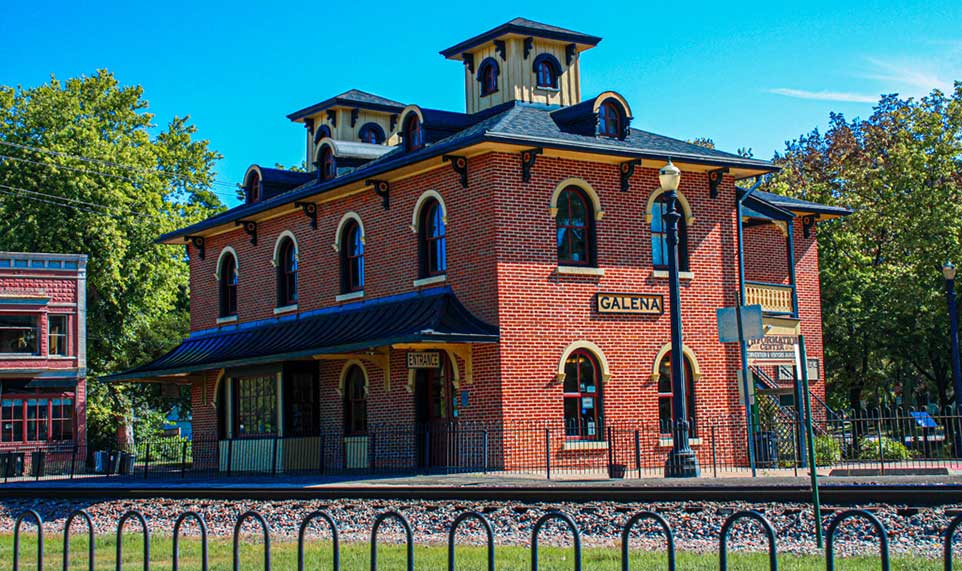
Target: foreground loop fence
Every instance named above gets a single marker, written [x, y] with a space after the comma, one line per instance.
[132, 514]
[202, 526]
[766, 527]
[536, 532]
[91, 540]
[632, 522]
[32, 514]
[335, 540]
[408, 536]
[947, 544]
[265, 531]
[880, 531]
[488, 532]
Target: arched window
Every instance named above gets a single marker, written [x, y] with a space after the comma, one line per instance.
[327, 165]
[287, 273]
[434, 256]
[355, 402]
[322, 132]
[352, 258]
[575, 231]
[547, 69]
[582, 397]
[665, 414]
[610, 120]
[371, 133]
[659, 236]
[413, 132]
[488, 76]
[254, 188]
[228, 286]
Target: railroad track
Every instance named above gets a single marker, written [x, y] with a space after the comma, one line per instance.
[834, 494]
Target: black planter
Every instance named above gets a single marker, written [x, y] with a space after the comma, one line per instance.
[617, 471]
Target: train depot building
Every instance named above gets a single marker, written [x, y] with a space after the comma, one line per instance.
[42, 357]
[483, 289]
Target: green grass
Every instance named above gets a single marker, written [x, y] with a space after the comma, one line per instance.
[356, 557]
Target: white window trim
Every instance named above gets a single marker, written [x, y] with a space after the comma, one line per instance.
[349, 296]
[431, 280]
[580, 271]
[585, 445]
[227, 319]
[663, 274]
[422, 200]
[285, 309]
[348, 217]
[277, 247]
[668, 441]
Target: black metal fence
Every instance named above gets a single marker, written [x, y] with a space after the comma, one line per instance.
[876, 442]
[633, 525]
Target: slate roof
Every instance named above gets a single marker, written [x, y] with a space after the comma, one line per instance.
[352, 98]
[283, 177]
[513, 122]
[524, 27]
[429, 316]
[797, 204]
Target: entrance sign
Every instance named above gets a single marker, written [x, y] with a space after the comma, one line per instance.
[630, 303]
[772, 350]
[728, 323]
[424, 360]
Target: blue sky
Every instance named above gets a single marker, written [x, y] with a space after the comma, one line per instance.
[751, 75]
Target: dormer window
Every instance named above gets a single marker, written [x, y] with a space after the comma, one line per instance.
[371, 133]
[413, 132]
[254, 188]
[547, 69]
[610, 120]
[327, 166]
[488, 76]
[322, 132]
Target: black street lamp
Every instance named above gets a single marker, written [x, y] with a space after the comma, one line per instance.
[681, 462]
[948, 271]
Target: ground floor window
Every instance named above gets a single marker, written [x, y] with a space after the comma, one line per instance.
[665, 415]
[355, 402]
[36, 419]
[255, 406]
[582, 397]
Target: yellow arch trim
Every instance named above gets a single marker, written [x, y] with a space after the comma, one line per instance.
[220, 260]
[403, 116]
[591, 348]
[682, 201]
[348, 216]
[612, 95]
[343, 377]
[583, 185]
[277, 246]
[689, 354]
[425, 196]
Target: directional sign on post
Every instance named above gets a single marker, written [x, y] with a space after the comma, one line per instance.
[728, 323]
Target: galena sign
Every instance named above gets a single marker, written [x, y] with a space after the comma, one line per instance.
[772, 350]
[631, 303]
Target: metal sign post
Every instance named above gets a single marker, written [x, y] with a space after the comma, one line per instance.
[810, 436]
[747, 322]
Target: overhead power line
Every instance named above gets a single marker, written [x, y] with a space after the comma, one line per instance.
[24, 193]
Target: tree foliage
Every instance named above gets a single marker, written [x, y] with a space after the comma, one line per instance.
[883, 294]
[140, 181]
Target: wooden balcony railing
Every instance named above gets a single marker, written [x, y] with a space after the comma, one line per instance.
[774, 298]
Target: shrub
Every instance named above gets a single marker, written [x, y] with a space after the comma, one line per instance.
[827, 450]
[868, 449]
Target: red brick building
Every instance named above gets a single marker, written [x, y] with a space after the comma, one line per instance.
[456, 289]
[42, 350]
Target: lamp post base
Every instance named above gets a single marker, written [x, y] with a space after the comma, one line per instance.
[682, 464]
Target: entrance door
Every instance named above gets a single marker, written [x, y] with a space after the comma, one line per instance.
[436, 413]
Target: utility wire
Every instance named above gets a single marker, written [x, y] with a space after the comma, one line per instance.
[65, 199]
[19, 192]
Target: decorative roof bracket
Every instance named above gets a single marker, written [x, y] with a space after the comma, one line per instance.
[468, 61]
[500, 49]
[528, 45]
[714, 181]
[332, 117]
[354, 114]
[626, 169]
[250, 228]
[198, 242]
[382, 188]
[460, 166]
[808, 222]
[310, 210]
[570, 51]
[527, 161]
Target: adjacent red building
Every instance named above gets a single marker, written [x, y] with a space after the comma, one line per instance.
[483, 288]
[42, 350]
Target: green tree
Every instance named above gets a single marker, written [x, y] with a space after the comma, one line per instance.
[134, 183]
[883, 301]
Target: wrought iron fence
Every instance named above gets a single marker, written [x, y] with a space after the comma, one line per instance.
[633, 524]
[877, 442]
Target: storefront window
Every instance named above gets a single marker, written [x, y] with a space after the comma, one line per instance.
[255, 406]
[18, 334]
[36, 419]
[582, 397]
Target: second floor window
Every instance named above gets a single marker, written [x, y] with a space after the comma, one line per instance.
[352, 258]
[659, 237]
[488, 77]
[328, 164]
[574, 230]
[287, 273]
[609, 120]
[413, 133]
[57, 335]
[371, 133]
[228, 286]
[18, 334]
[434, 255]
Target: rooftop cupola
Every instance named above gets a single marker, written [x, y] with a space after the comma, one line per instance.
[522, 60]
